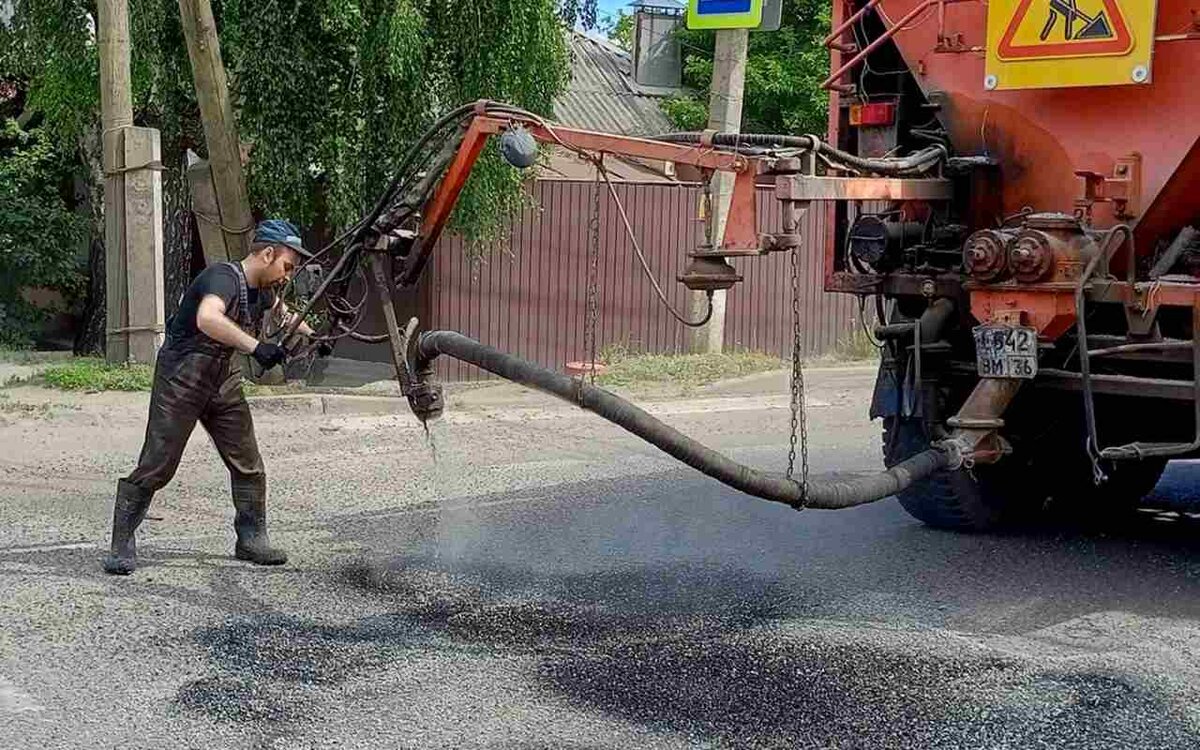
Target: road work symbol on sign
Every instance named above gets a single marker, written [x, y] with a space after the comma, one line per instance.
[1045, 44]
[1044, 29]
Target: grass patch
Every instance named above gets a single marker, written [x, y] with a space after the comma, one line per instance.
[691, 370]
[90, 374]
[855, 347]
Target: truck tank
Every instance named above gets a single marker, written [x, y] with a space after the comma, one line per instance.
[1066, 253]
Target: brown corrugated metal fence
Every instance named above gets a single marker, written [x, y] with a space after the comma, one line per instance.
[531, 300]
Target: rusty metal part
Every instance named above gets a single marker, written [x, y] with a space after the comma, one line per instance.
[1119, 385]
[889, 32]
[810, 188]
[1122, 189]
[1135, 450]
[773, 243]
[1031, 257]
[424, 397]
[985, 255]
[1143, 346]
[707, 272]
[1047, 307]
[1050, 247]
[1047, 258]
[895, 284]
[978, 421]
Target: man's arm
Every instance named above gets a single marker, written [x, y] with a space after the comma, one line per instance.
[212, 322]
[286, 314]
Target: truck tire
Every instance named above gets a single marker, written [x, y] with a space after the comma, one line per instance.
[990, 496]
[984, 498]
[1075, 492]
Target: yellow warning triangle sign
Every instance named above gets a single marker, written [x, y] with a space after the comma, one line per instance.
[1042, 29]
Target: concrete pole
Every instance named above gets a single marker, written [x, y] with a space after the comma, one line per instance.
[144, 242]
[725, 115]
[116, 114]
[220, 128]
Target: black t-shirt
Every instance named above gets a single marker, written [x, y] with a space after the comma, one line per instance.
[221, 280]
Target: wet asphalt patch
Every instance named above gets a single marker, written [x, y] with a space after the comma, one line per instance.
[717, 621]
[684, 650]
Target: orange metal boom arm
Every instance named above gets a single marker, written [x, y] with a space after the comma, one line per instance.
[483, 127]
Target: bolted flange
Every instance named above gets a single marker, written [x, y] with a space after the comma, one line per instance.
[706, 273]
[985, 255]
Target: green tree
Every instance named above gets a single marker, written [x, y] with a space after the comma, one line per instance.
[330, 92]
[619, 29]
[784, 70]
[41, 237]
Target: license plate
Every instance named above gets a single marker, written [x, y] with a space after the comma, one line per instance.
[1006, 351]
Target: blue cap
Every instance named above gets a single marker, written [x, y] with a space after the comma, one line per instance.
[280, 232]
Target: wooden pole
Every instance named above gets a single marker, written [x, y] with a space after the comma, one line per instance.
[220, 128]
[116, 114]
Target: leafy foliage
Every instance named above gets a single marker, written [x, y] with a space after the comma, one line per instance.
[784, 71]
[40, 236]
[619, 29]
[330, 92]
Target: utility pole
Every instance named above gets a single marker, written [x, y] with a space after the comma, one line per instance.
[116, 114]
[724, 115]
[233, 215]
[133, 232]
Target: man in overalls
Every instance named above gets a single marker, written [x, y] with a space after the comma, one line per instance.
[193, 381]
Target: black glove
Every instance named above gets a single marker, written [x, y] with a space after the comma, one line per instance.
[268, 355]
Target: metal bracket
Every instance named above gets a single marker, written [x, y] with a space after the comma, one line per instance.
[424, 396]
[1123, 189]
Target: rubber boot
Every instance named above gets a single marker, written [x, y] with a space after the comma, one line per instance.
[250, 523]
[128, 511]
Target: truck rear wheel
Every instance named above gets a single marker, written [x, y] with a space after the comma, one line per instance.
[1018, 486]
[983, 498]
[1076, 494]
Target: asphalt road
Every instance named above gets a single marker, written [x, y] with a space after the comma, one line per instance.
[549, 582]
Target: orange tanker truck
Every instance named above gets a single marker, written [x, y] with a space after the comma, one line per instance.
[1013, 186]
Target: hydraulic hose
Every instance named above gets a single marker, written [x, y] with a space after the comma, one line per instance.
[923, 159]
[772, 486]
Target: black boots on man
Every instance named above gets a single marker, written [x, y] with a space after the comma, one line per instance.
[250, 523]
[128, 511]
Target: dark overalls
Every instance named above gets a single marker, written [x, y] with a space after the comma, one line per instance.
[197, 384]
[200, 385]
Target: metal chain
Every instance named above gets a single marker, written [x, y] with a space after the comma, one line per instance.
[593, 283]
[799, 419]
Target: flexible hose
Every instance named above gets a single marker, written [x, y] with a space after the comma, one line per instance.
[924, 159]
[772, 486]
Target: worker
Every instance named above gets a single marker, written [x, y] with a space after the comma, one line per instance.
[194, 381]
